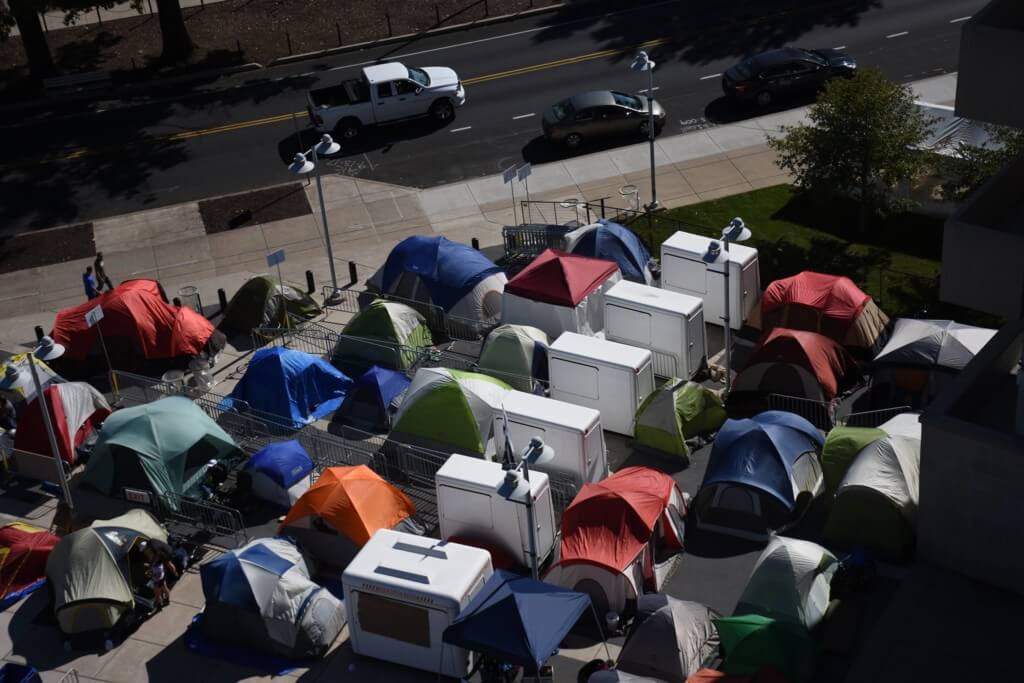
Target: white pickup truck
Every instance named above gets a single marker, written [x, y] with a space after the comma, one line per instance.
[385, 93]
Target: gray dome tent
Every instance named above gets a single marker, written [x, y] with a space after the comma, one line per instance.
[670, 638]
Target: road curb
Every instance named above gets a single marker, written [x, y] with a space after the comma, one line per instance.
[440, 30]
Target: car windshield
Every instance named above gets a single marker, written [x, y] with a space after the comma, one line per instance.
[419, 75]
[815, 57]
[745, 69]
[625, 100]
[562, 110]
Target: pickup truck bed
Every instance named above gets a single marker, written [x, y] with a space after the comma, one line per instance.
[354, 91]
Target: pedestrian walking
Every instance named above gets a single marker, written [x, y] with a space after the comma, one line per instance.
[102, 279]
[89, 282]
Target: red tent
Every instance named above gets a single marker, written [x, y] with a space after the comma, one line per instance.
[556, 277]
[831, 305]
[76, 411]
[136, 313]
[798, 363]
[610, 522]
[24, 550]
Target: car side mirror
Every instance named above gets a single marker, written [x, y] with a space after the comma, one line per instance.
[418, 90]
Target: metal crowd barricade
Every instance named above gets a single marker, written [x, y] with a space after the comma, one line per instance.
[525, 242]
[873, 418]
[189, 515]
[819, 414]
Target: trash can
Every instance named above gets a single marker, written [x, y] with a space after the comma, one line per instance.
[189, 297]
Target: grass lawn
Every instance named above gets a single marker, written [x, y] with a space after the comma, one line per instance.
[896, 260]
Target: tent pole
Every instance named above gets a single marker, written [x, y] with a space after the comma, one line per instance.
[600, 629]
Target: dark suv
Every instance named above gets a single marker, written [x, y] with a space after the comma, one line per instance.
[784, 73]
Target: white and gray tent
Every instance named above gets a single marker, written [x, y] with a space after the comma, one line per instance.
[791, 582]
[876, 503]
[261, 597]
[922, 356]
[670, 639]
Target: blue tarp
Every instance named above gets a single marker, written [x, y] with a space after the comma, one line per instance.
[284, 463]
[294, 387]
[366, 406]
[613, 242]
[760, 452]
[200, 644]
[517, 620]
[450, 270]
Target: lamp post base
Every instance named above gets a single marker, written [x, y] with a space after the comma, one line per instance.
[333, 299]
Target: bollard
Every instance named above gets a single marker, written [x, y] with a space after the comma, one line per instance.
[310, 283]
[437, 15]
[476, 243]
[337, 27]
[288, 39]
[39, 333]
[176, 301]
[487, 10]
[222, 298]
[353, 276]
[387, 17]
[238, 46]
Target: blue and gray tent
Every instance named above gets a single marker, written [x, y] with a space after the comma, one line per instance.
[372, 399]
[613, 242]
[290, 387]
[453, 276]
[761, 474]
[280, 472]
[261, 597]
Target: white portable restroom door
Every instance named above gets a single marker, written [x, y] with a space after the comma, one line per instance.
[543, 518]
[575, 379]
[644, 383]
[596, 455]
[683, 275]
[628, 325]
[751, 287]
[695, 343]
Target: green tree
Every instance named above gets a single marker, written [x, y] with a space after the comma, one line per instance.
[860, 143]
[970, 166]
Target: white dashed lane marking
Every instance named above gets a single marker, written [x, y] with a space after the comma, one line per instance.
[898, 35]
[459, 130]
[709, 77]
[522, 116]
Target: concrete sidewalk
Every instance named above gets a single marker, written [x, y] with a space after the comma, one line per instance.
[368, 218]
[54, 19]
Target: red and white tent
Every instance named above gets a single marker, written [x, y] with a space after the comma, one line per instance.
[76, 410]
[560, 292]
[613, 534]
[831, 305]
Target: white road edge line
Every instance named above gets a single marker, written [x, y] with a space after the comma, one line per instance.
[898, 35]
[958, 20]
[523, 116]
[839, 47]
[459, 130]
[657, 87]
[709, 77]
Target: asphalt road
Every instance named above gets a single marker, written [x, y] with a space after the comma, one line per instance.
[239, 132]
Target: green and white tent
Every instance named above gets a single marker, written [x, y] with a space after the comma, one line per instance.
[163, 447]
[449, 409]
[384, 333]
[876, 502]
[516, 354]
[750, 643]
[263, 301]
[841, 447]
[676, 411]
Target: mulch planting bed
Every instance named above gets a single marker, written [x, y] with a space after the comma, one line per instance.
[46, 247]
[241, 31]
[253, 208]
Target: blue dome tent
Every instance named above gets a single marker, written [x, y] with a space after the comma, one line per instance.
[613, 242]
[292, 387]
[369, 401]
[280, 472]
[453, 276]
[761, 475]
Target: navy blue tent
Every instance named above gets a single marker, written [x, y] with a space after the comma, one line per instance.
[280, 472]
[760, 471]
[292, 387]
[517, 620]
[454, 276]
[367, 405]
[613, 242]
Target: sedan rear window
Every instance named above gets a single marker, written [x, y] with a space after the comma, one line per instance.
[562, 110]
[745, 69]
[625, 100]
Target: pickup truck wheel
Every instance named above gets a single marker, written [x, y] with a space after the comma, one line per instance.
[348, 129]
[764, 98]
[442, 110]
[573, 140]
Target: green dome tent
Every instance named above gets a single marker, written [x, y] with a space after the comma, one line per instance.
[384, 333]
[263, 302]
[516, 354]
[163, 447]
[751, 643]
[841, 446]
[449, 408]
[676, 411]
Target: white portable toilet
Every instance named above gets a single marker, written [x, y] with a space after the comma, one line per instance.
[402, 591]
[670, 324]
[687, 267]
[609, 377]
[469, 507]
[573, 432]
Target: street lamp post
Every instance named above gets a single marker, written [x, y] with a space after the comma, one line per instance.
[301, 165]
[515, 487]
[644, 63]
[48, 350]
[736, 231]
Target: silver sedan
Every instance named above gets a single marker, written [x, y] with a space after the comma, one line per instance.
[599, 114]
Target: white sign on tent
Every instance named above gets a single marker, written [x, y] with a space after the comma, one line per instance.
[94, 316]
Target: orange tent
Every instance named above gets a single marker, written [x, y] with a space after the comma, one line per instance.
[353, 500]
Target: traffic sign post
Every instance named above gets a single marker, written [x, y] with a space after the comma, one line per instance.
[92, 318]
[275, 260]
[508, 176]
[524, 177]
